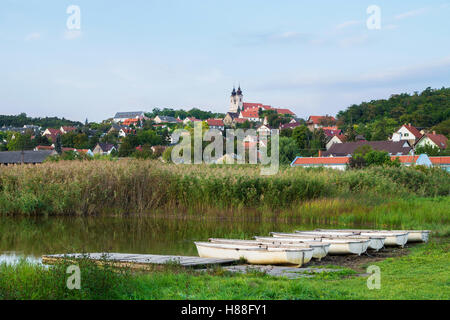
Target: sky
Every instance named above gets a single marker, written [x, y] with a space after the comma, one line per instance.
[313, 57]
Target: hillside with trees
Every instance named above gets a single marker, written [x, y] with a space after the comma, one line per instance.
[47, 122]
[195, 112]
[377, 119]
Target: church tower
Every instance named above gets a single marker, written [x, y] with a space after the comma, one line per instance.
[236, 101]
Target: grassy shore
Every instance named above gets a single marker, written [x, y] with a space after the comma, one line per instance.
[139, 186]
[423, 274]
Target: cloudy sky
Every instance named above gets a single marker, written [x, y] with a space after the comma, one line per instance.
[315, 57]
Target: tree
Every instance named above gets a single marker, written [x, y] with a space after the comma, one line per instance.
[58, 144]
[128, 146]
[429, 150]
[149, 137]
[365, 156]
[19, 142]
[302, 136]
[288, 150]
[443, 128]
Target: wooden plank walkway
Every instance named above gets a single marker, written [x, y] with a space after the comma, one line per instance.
[137, 261]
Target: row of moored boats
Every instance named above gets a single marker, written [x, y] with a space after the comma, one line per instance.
[300, 247]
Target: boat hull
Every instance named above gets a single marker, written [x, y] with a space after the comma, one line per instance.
[320, 249]
[393, 238]
[375, 242]
[418, 235]
[337, 246]
[255, 255]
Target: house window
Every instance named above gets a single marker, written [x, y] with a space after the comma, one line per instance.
[406, 134]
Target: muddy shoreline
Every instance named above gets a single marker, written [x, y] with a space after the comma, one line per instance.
[358, 263]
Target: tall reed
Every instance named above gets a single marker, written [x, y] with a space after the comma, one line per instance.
[132, 186]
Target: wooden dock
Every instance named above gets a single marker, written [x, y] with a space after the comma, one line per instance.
[137, 261]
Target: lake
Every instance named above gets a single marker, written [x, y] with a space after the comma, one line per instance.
[31, 238]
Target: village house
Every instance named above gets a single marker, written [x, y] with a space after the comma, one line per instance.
[104, 148]
[336, 139]
[129, 122]
[25, 157]
[239, 121]
[348, 148]
[122, 116]
[65, 130]
[408, 133]
[316, 122]
[264, 130]
[250, 115]
[51, 134]
[341, 163]
[290, 125]
[432, 139]
[338, 163]
[165, 119]
[189, 120]
[229, 118]
[216, 124]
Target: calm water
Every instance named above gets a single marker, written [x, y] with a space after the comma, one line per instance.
[31, 238]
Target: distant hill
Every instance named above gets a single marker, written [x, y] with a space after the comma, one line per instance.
[47, 122]
[424, 110]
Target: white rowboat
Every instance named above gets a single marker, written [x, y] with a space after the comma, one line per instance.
[255, 254]
[320, 249]
[337, 245]
[417, 235]
[393, 238]
[376, 242]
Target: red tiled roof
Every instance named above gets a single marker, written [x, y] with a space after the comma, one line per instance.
[440, 160]
[342, 137]
[316, 119]
[215, 122]
[330, 128]
[127, 122]
[413, 159]
[54, 131]
[321, 161]
[240, 120]
[285, 111]
[413, 130]
[331, 133]
[193, 119]
[439, 139]
[250, 113]
[251, 105]
[68, 129]
[290, 125]
[44, 148]
[405, 159]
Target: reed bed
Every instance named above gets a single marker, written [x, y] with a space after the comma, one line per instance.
[140, 186]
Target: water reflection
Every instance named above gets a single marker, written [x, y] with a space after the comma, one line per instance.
[12, 258]
[34, 237]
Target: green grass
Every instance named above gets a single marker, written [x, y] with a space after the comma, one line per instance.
[423, 274]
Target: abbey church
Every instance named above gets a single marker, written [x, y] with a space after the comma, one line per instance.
[236, 101]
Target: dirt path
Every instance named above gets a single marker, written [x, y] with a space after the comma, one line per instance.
[357, 262]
